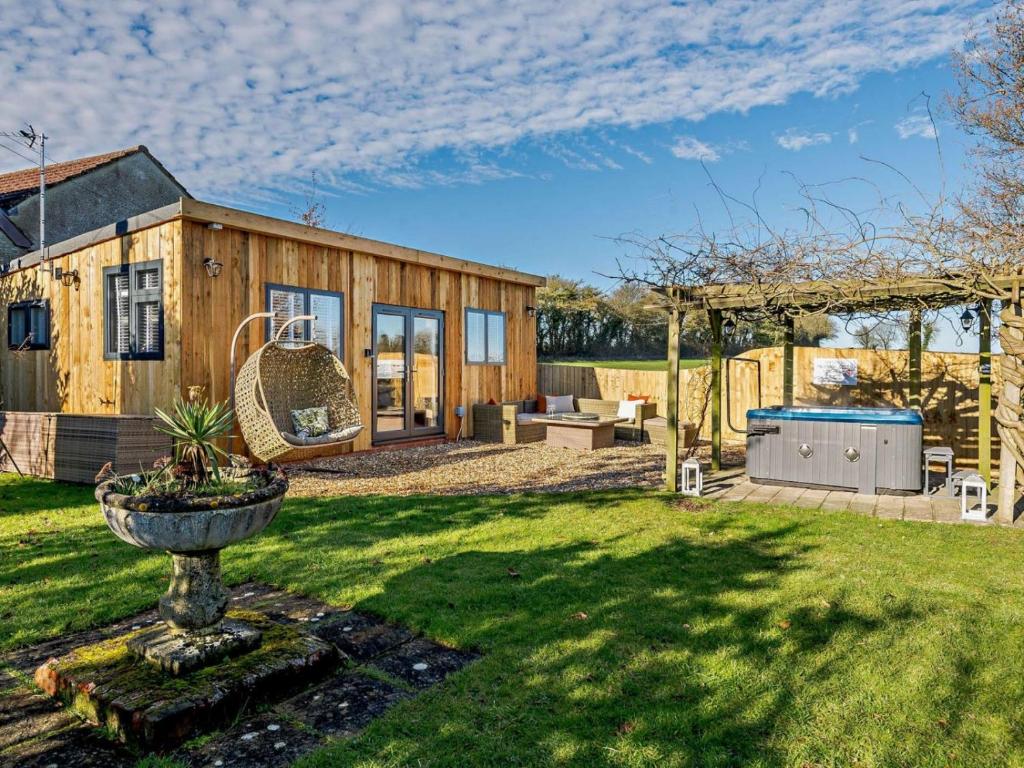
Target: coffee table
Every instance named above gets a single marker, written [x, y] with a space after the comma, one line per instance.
[570, 431]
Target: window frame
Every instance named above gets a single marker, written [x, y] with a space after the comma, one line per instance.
[26, 306]
[307, 294]
[135, 297]
[487, 313]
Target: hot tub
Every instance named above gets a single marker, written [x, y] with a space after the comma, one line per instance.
[869, 450]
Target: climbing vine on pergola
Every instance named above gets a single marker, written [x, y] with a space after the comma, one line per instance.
[912, 294]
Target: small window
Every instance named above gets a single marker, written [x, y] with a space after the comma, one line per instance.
[485, 337]
[28, 325]
[328, 307]
[133, 311]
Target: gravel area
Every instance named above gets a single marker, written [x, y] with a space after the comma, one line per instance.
[468, 468]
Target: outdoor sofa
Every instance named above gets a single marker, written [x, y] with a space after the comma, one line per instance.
[512, 422]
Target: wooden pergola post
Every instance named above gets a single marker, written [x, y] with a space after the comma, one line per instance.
[914, 353]
[789, 339]
[715, 317]
[672, 401]
[985, 392]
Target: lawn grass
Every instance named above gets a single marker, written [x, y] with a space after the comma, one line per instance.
[630, 365]
[636, 633]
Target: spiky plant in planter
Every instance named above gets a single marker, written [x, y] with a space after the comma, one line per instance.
[192, 508]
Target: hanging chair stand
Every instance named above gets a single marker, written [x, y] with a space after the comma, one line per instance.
[279, 379]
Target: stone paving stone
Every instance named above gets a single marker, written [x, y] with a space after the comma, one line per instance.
[917, 508]
[788, 495]
[423, 663]
[945, 509]
[739, 491]
[837, 501]
[811, 498]
[266, 741]
[78, 747]
[863, 503]
[25, 715]
[361, 636]
[763, 494]
[889, 507]
[344, 704]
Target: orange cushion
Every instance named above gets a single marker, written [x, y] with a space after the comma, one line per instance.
[542, 404]
[643, 398]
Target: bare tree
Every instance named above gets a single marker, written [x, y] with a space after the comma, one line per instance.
[313, 212]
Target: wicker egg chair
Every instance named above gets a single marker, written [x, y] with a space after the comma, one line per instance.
[281, 378]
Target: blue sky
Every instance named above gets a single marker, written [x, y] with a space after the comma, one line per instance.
[523, 133]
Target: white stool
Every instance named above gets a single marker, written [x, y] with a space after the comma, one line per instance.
[940, 454]
[693, 478]
[968, 481]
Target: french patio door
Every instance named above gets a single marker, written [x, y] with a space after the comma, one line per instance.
[408, 372]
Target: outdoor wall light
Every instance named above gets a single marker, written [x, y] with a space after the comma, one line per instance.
[967, 319]
[531, 311]
[68, 277]
[213, 267]
[729, 326]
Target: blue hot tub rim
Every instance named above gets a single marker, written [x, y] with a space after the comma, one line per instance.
[837, 413]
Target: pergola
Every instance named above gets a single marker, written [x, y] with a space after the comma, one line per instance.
[789, 301]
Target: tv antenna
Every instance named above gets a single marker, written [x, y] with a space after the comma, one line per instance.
[35, 142]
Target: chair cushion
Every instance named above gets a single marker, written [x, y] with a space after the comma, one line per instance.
[337, 436]
[627, 409]
[559, 404]
[310, 422]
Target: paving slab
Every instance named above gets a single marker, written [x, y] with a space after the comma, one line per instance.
[811, 498]
[423, 663]
[889, 507]
[24, 714]
[945, 509]
[266, 741]
[837, 501]
[77, 747]
[343, 705]
[763, 494]
[740, 491]
[361, 636]
[863, 503]
[917, 508]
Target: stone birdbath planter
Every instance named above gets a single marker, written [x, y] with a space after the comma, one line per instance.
[193, 530]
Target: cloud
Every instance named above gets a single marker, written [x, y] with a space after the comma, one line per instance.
[916, 126]
[794, 139]
[689, 148]
[237, 97]
[853, 135]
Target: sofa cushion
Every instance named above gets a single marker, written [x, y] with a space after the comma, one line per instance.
[559, 404]
[627, 409]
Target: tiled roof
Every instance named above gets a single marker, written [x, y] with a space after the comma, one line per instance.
[27, 180]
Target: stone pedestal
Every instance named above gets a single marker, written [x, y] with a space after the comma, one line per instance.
[196, 598]
[179, 653]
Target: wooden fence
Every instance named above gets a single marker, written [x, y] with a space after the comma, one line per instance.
[949, 389]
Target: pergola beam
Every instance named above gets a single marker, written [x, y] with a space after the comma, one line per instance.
[715, 316]
[985, 391]
[672, 406]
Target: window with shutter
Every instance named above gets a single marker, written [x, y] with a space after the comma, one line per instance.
[134, 311]
[291, 301]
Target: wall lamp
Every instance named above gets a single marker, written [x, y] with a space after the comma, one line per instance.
[213, 267]
[68, 277]
[531, 311]
[729, 326]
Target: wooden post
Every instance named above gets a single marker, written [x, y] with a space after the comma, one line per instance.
[1011, 336]
[715, 316]
[914, 353]
[787, 361]
[985, 392]
[672, 405]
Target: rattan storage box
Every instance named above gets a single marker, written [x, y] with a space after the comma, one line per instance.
[75, 447]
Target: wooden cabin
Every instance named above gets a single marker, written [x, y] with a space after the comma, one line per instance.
[126, 317]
